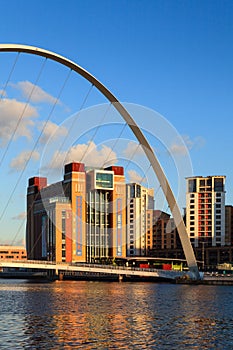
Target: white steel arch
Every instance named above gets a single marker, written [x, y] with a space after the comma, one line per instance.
[187, 247]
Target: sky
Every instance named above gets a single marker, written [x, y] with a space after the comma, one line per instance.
[170, 62]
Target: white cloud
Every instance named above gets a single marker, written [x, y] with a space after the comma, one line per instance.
[35, 93]
[51, 130]
[2, 93]
[20, 216]
[132, 149]
[89, 154]
[135, 177]
[20, 161]
[11, 111]
[180, 148]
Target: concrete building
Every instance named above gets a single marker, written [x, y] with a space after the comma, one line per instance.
[9, 252]
[78, 219]
[205, 210]
[160, 221]
[140, 205]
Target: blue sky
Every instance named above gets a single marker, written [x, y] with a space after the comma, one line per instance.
[174, 57]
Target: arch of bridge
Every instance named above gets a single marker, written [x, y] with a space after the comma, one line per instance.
[185, 241]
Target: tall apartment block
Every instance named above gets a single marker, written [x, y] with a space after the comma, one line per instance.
[78, 219]
[140, 205]
[205, 210]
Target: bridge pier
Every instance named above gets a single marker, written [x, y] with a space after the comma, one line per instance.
[52, 275]
[120, 279]
[60, 276]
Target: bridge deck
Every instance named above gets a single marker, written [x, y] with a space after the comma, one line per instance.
[94, 268]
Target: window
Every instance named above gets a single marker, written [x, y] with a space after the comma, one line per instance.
[192, 201]
[192, 185]
[218, 211]
[218, 200]
[202, 182]
[218, 205]
[218, 185]
[104, 180]
[192, 206]
[218, 194]
[191, 222]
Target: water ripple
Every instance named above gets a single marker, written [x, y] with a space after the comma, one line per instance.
[101, 315]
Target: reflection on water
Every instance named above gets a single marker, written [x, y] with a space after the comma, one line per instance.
[101, 315]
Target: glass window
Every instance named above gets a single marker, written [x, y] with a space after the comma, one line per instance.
[192, 185]
[104, 180]
[218, 185]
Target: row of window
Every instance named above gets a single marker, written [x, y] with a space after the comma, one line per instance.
[13, 257]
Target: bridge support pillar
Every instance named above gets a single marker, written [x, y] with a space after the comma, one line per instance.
[120, 278]
[52, 274]
[60, 276]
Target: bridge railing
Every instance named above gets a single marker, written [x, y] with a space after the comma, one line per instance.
[90, 265]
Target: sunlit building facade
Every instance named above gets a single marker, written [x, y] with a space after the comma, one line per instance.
[205, 210]
[10, 252]
[140, 205]
[79, 219]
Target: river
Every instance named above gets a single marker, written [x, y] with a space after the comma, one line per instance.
[113, 315]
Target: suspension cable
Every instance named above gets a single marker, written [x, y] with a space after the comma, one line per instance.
[72, 124]
[95, 133]
[48, 118]
[22, 113]
[9, 76]
[35, 145]
[115, 143]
